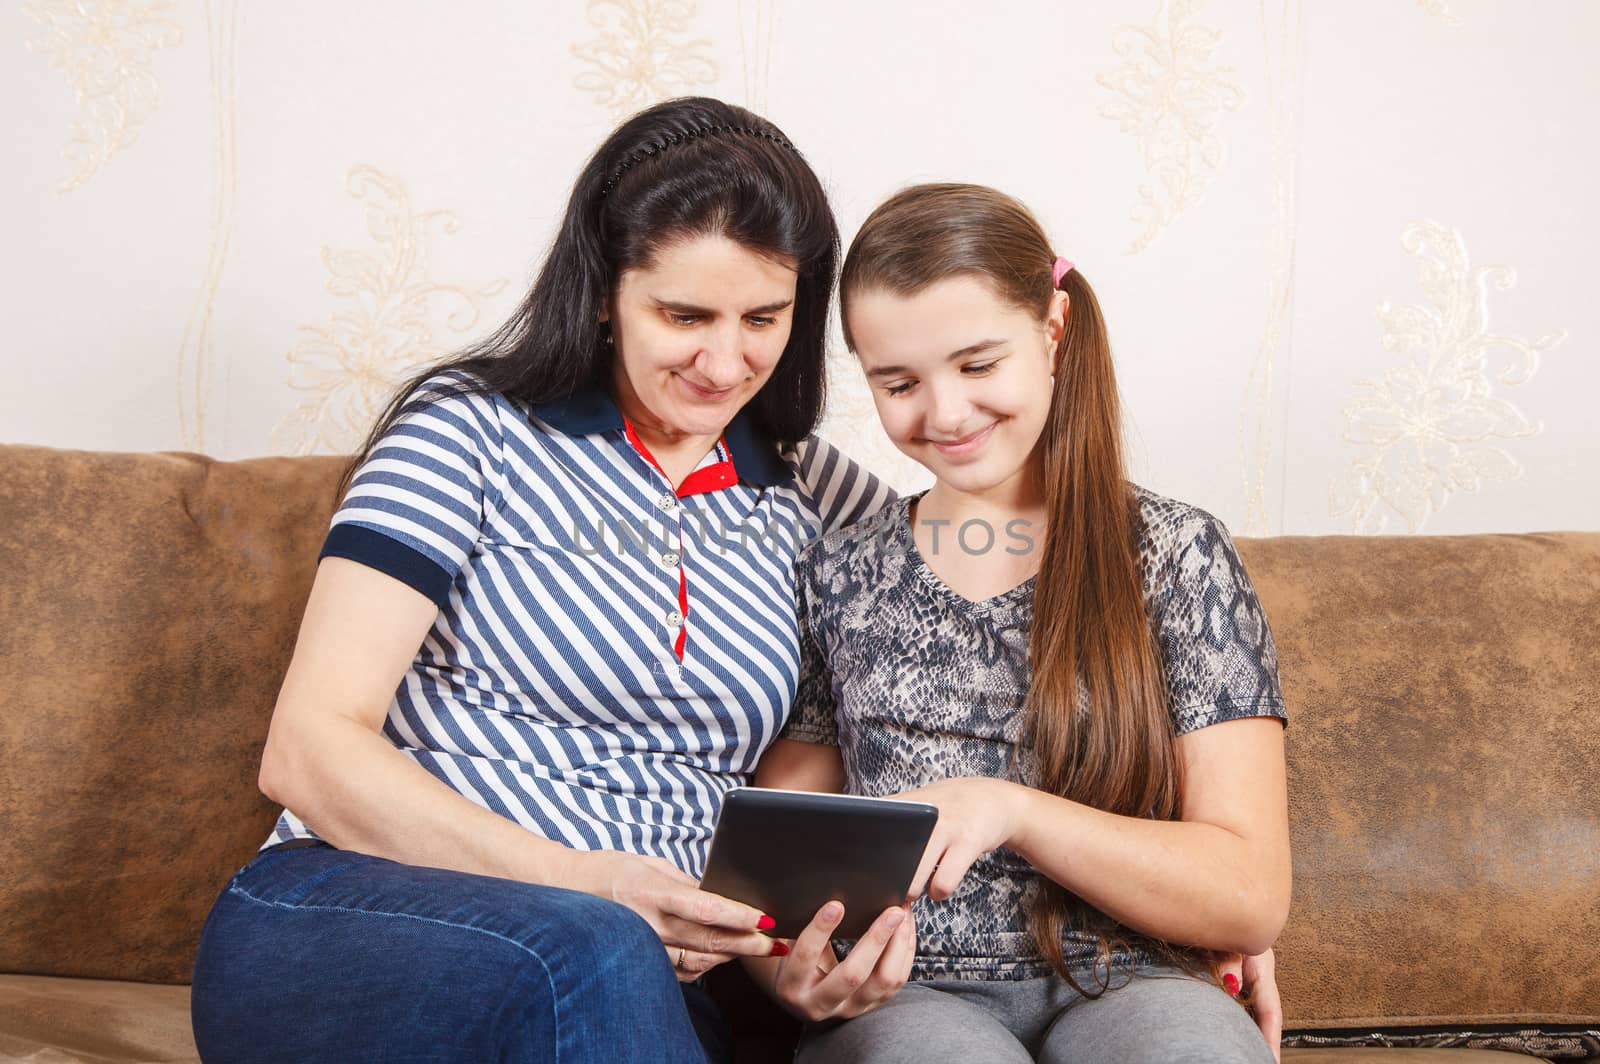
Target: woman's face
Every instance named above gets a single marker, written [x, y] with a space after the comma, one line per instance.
[697, 333]
[961, 377]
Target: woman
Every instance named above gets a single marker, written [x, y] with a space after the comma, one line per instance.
[1073, 669]
[500, 748]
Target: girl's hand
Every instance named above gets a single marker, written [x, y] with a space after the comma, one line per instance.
[814, 984]
[699, 930]
[976, 815]
[1255, 977]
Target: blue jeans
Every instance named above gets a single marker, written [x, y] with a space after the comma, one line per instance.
[316, 954]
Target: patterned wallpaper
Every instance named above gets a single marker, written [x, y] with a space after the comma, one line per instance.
[1342, 248]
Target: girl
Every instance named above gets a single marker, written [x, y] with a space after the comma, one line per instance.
[1075, 670]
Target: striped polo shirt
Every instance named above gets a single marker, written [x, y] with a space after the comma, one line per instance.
[611, 655]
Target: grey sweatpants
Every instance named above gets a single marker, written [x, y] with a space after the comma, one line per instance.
[1159, 1016]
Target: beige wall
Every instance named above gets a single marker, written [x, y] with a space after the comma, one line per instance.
[1347, 250]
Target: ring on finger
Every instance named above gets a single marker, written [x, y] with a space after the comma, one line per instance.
[678, 964]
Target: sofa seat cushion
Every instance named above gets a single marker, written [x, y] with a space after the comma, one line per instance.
[47, 1020]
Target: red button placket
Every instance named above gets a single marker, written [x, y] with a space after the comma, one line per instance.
[709, 478]
[683, 597]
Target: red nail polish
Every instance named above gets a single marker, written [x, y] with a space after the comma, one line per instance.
[766, 923]
[1230, 982]
[779, 950]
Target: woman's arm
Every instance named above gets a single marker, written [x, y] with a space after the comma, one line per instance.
[1218, 878]
[327, 760]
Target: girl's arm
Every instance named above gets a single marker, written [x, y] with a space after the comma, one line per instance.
[790, 765]
[1218, 878]
[811, 982]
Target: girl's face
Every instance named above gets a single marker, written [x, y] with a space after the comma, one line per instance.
[697, 333]
[961, 378]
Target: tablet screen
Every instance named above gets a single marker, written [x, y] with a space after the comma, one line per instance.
[788, 853]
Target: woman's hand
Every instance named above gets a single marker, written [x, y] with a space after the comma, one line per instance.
[976, 815]
[813, 984]
[699, 930]
[1255, 979]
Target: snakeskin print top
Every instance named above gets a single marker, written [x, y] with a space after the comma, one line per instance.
[915, 683]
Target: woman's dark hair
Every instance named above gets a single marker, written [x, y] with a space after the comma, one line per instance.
[684, 168]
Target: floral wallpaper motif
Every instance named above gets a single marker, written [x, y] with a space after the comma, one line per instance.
[1431, 427]
[1283, 37]
[105, 48]
[196, 351]
[1439, 9]
[641, 54]
[349, 367]
[758, 32]
[1170, 93]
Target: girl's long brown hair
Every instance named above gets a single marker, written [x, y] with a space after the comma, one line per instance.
[1098, 729]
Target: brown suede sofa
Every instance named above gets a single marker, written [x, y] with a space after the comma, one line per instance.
[1443, 750]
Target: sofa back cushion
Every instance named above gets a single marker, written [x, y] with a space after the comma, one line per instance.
[150, 608]
[1444, 733]
[1444, 699]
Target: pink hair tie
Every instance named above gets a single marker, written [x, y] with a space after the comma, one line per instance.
[1060, 270]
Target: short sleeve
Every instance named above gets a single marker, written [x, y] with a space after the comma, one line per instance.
[416, 504]
[842, 491]
[812, 718]
[1216, 646]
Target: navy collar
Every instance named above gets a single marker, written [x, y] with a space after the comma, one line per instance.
[591, 410]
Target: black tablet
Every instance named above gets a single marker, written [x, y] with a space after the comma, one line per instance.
[789, 852]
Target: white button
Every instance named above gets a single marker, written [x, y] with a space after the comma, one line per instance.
[670, 558]
[674, 619]
[668, 503]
